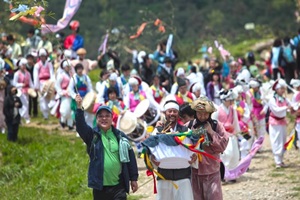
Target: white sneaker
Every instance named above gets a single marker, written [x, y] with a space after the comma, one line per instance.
[3, 131]
[27, 121]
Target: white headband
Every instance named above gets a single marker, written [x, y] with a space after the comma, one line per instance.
[171, 105]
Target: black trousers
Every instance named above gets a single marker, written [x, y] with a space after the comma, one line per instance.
[117, 192]
[33, 106]
[12, 131]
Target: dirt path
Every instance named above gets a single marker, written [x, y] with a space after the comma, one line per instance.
[261, 182]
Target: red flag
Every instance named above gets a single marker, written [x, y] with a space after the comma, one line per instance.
[139, 31]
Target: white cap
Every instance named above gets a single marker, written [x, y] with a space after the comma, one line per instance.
[65, 63]
[9, 52]
[23, 61]
[113, 77]
[295, 82]
[42, 52]
[68, 54]
[133, 81]
[196, 87]
[180, 71]
[140, 56]
[254, 84]
[279, 84]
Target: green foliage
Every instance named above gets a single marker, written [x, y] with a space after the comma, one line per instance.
[44, 166]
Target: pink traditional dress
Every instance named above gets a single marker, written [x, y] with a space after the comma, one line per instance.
[277, 126]
[229, 119]
[61, 86]
[41, 73]
[22, 80]
[135, 98]
[258, 119]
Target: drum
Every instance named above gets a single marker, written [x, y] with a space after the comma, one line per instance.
[170, 156]
[89, 101]
[32, 93]
[147, 112]
[134, 128]
[48, 90]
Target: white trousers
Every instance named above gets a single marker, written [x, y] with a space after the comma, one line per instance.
[65, 111]
[166, 190]
[24, 110]
[244, 145]
[278, 139]
[44, 107]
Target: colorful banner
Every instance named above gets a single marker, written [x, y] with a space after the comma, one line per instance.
[70, 10]
[244, 163]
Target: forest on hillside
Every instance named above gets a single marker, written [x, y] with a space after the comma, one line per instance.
[192, 22]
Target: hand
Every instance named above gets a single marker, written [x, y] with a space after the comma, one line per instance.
[165, 83]
[134, 186]
[262, 112]
[78, 100]
[208, 128]
[193, 158]
[17, 104]
[159, 124]
[154, 161]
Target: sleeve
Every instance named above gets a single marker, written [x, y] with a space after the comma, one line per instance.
[71, 88]
[20, 102]
[85, 131]
[166, 93]
[174, 89]
[19, 51]
[89, 84]
[15, 81]
[278, 111]
[219, 141]
[58, 88]
[246, 116]
[236, 122]
[36, 80]
[52, 76]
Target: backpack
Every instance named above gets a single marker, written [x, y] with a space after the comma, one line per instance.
[288, 53]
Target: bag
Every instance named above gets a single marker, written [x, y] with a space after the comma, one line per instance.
[288, 53]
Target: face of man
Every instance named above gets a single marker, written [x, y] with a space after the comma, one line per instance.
[182, 89]
[112, 96]
[171, 115]
[104, 120]
[43, 58]
[202, 116]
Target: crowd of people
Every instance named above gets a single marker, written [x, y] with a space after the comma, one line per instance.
[236, 100]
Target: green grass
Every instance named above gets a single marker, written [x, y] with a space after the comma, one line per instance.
[44, 166]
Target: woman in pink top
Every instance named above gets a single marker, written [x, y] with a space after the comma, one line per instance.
[22, 80]
[228, 117]
[206, 179]
[277, 122]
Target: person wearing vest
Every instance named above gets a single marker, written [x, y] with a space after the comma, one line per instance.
[116, 105]
[113, 82]
[179, 73]
[228, 117]
[33, 101]
[213, 88]
[42, 72]
[61, 87]
[112, 167]
[296, 106]
[158, 91]
[279, 107]
[9, 64]
[125, 74]
[206, 179]
[183, 95]
[22, 81]
[179, 176]
[136, 95]
[258, 109]
[243, 113]
[82, 85]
